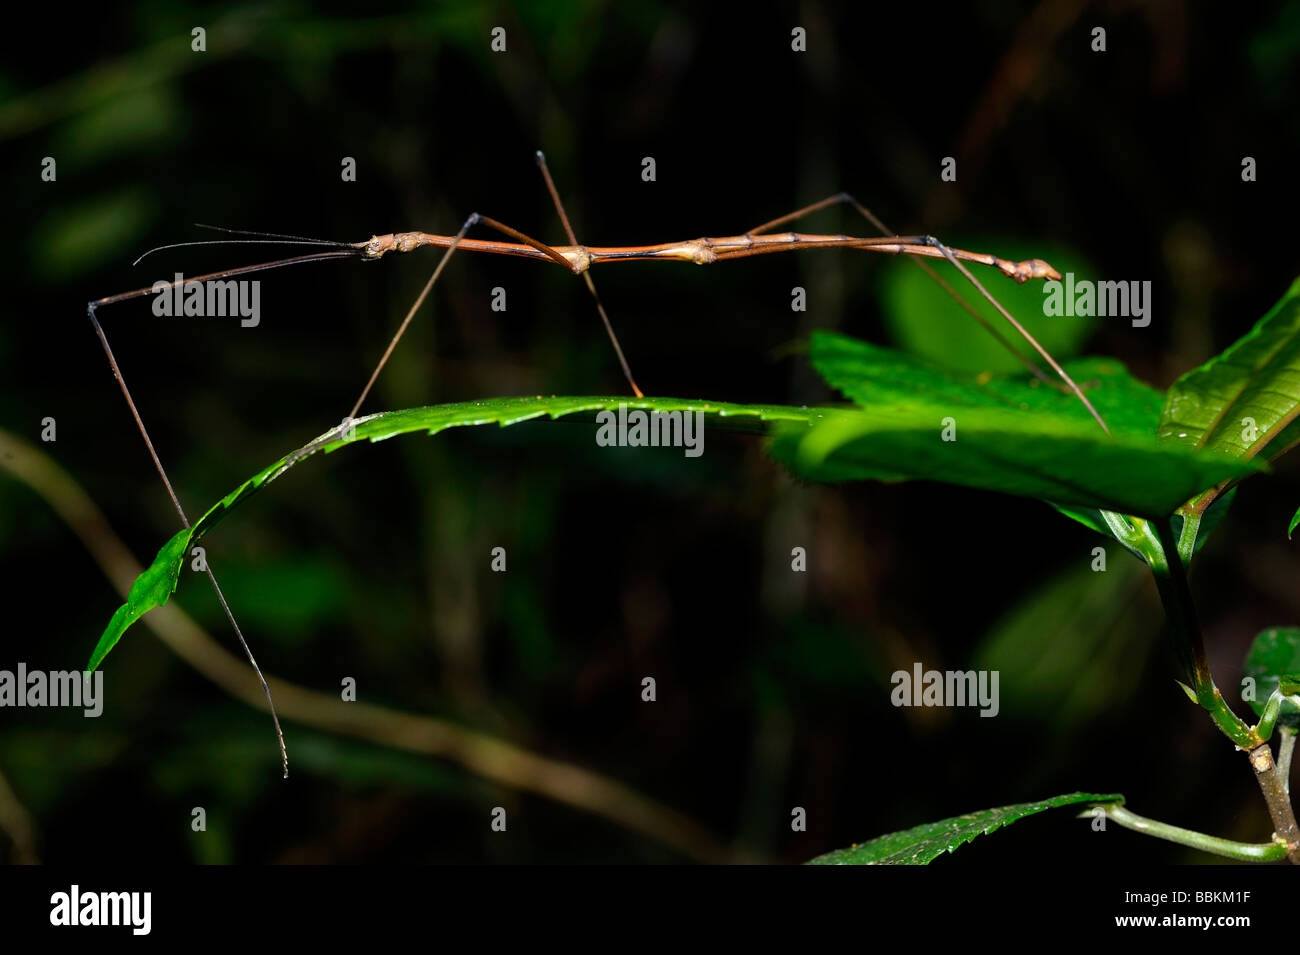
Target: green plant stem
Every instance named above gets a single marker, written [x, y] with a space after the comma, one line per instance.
[1245, 851]
[1171, 580]
[1279, 803]
[1131, 532]
[1187, 538]
[1185, 630]
[1285, 750]
[1268, 718]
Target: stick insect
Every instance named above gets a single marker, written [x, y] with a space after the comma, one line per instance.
[579, 260]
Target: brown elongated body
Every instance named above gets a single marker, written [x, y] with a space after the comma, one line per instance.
[579, 258]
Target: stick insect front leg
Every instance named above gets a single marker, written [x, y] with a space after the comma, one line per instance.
[207, 566]
[845, 198]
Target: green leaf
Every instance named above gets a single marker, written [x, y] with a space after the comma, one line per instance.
[923, 319]
[1274, 655]
[151, 589]
[872, 376]
[1089, 517]
[1246, 400]
[502, 411]
[1043, 455]
[1014, 434]
[1295, 521]
[155, 585]
[923, 844]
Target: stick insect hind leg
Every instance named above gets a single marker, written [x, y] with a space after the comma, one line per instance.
[845, 198]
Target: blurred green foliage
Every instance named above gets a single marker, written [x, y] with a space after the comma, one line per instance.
[923, 319]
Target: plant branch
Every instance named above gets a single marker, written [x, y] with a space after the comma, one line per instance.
[1244, 851]
[1168, 562]
[491, 758]
[17, 822]
[1185, 631]
[1279, 803]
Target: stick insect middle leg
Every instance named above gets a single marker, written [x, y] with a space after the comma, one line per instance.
[550, 251]
[586, 275]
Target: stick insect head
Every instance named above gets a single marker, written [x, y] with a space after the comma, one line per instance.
[1032, 269]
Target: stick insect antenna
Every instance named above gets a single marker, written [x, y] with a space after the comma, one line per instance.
[186, 245]
[271, 235]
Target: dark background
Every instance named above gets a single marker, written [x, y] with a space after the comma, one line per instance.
[373, 564]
